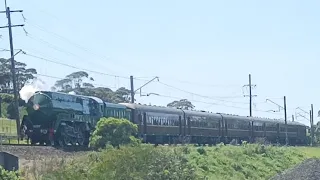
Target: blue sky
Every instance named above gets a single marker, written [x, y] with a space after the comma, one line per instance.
[203, 47]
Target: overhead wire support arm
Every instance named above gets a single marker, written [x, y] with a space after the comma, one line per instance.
[275, 104]
[11, 11]
[302, 110]
[146, 83]
[133, 92]
[20, 25]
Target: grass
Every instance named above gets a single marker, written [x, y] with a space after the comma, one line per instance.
[309, 152]
[8, 127]
[8, 131]
[250, 161]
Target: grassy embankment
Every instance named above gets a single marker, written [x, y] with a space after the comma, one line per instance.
[164, 162]
[8, 131]
[8, 127]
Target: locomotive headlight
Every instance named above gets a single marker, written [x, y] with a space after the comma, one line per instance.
[36, 107]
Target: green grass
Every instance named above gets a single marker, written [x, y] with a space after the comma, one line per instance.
[309, 152]
[8, 127]
[164, 162]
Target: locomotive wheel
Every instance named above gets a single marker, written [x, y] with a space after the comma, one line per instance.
[80, 136]
[63, 140]
[33, 142]
[80, 139]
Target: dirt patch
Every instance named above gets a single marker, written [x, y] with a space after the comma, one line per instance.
[307, 170]
[27, 154]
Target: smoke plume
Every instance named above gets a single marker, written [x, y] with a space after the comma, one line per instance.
[29, 89]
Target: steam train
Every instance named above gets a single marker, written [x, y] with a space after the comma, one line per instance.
[61, 119]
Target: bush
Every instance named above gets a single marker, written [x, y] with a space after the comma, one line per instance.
[8, 175]
[142, 162]
[4, 107]
[7, 98]
[113, 131]
[248, 161]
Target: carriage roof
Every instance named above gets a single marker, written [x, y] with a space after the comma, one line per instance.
[152, 108]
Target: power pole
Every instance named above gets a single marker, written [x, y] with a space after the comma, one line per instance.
[15, 92]
[132, 90]
[0, 106]
[285, 118]
[311, 124]
[250, 95]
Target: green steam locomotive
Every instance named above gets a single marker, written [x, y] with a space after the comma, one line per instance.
[61, 119]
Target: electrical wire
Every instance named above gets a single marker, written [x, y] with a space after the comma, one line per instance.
[208, 97]
[75, 67]
[166, 96]
[59, 78]
[210, 103]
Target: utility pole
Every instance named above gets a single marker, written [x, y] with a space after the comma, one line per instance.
[0, 106]
[292, 118]
[15, 92]
[311, 125]
[250, 95]
[285, 118]
[133, 92]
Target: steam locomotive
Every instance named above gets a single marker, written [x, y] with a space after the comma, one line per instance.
[56, 118]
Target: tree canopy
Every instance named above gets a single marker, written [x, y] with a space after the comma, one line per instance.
[24, 74]
[81, 83]
[182, 104]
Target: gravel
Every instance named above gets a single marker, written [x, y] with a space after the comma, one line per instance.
[307, 170]
[36, 152]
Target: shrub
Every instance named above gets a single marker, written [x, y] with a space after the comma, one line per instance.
[141, 162]
[8, 175]
[113, 131]
[7, 98]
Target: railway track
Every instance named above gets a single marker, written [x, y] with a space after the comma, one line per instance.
[45, 147]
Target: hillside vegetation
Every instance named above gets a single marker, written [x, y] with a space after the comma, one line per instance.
[184, 162]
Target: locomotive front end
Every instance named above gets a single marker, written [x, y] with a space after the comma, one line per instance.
[38, 123]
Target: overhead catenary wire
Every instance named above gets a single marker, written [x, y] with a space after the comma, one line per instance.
[87, 50]
[50, 45]
[207, 97]
[211, 103]
[65, 39]
[165, 96]
[60, 78]
[76, 67]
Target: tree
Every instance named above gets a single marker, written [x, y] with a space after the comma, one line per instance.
[23, 74]
[75, 82]
[182, 104]
[87, 85]
[63, 85]
[113, 131]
